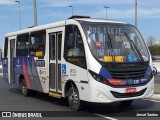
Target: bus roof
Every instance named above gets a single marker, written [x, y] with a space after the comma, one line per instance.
[61, 23]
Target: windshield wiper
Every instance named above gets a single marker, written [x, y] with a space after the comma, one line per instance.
[109, 44]
[134, 46]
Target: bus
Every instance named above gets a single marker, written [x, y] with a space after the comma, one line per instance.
[82, 59]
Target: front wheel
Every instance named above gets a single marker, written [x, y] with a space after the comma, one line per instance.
[73, 99]
[126, 103]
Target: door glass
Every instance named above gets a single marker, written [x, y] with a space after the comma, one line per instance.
[12, 49]
[59, 40]
[52, 66]
[52, 46]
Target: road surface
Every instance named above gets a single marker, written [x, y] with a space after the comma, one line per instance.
[12, 100]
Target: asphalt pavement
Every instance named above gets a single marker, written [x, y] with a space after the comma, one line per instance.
[157, 83]
[12, 100]
[157, 78]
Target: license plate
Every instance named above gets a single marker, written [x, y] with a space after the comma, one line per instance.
[130, 90]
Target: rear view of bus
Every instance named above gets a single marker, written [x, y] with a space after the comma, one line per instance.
[119, 64]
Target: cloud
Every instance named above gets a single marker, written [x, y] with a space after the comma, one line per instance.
[60, 3]
[118, 8]
[1, 17]
[6, 2]
[129, 13]
[151, 13]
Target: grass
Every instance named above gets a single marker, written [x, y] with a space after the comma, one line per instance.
[157, 89]
[155, 60]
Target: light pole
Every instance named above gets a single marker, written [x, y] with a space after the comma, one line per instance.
[72, 9]
[136, 13]
[35, 13]
[106, 10]
[19, 13]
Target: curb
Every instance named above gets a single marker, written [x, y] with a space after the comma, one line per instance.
[155, 97]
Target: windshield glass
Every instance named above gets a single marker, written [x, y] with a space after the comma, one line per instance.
[115, 43]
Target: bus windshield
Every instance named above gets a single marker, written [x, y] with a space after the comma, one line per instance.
[115, 43]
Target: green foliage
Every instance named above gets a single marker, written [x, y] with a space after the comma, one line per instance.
[154, 50]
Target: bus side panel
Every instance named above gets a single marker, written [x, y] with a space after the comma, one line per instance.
[27, 67]
[5, 69]
[18, 69]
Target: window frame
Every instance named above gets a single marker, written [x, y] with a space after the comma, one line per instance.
[41, 36]
[66, 49]
[21, 38]
[6, 47]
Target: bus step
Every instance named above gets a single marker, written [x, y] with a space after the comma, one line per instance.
[56, 95]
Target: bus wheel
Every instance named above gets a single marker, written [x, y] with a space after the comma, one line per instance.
[73, 99]
[25, 91]
[126, 103]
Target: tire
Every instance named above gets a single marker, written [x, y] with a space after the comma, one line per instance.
[126, 103]
[73, 99]
[25, 90]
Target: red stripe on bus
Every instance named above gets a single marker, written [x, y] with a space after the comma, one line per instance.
[26, 75]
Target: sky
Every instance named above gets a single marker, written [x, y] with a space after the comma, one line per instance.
[49, 11]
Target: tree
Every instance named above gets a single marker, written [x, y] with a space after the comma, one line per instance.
[154, 50]
[154, 46]
[151, 41]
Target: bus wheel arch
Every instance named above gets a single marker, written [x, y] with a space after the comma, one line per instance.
[21, 78]
[22, 83]
[72, 94]
[68, 85]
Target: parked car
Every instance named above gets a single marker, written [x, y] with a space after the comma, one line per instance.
[155, 57]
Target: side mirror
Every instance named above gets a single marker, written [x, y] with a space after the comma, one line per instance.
[154, 71]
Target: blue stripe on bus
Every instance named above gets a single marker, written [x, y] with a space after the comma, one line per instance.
[104, 73]
[148, 72]
[32, 72]
[5, 69]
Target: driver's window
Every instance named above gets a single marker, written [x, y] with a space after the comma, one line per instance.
[74, 48]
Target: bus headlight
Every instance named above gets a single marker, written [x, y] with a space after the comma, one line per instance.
[98, 77]
[150, 76]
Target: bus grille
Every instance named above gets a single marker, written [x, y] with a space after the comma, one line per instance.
[127, 73]
[126, 95]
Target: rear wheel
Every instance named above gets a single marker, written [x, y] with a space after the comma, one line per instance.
[126, 103]
[73, 99]
[25, 90]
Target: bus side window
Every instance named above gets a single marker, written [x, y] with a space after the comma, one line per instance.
[22, 45]
[6, 48]
[37, 44]
[74, 48]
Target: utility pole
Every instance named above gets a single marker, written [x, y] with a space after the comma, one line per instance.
[19, 13]
[106, 10]
[72, 9]
[35, 13]
[136, 13]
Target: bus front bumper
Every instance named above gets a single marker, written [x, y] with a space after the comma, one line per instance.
[101, 93]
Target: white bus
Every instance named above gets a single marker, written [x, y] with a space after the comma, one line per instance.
[80, 58]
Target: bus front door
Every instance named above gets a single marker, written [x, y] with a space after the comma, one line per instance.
[55, 40]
